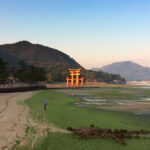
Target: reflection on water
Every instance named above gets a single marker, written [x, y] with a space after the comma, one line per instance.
[144, 87]
[99, 101]
[142, 113]
[136, 106]
[145, 99]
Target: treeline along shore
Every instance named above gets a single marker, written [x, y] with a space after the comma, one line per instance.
[10, 89]
[32, 63]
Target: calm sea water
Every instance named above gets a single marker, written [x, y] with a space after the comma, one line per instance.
[143, 84]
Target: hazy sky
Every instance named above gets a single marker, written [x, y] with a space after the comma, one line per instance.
[93, 32]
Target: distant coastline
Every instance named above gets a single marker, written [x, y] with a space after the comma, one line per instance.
[146, 83]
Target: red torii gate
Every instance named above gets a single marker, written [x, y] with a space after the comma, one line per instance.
[75, 80]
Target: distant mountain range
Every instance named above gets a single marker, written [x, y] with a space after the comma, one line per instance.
[129, 70]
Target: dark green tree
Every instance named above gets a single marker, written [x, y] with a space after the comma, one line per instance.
[30, 73]
[22, 72]
[3, 71]
[35, 74]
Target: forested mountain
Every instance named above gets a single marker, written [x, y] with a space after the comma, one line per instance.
[129, 70]
[36, 54]
[54, 61]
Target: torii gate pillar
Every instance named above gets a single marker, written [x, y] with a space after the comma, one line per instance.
[74, 80]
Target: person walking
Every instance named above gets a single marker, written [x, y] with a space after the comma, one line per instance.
[45, 104]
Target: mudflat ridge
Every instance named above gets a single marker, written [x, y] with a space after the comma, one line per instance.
[13, 118]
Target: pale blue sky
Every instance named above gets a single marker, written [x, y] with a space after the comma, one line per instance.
[93, 32]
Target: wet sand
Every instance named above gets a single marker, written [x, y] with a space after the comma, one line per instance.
[130, 106]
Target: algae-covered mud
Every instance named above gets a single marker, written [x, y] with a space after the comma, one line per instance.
[134, 99]
[68, 108]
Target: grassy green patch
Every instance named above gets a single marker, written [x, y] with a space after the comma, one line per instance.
[59, 141]
[111, 93]
[62, 113]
